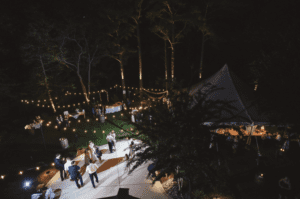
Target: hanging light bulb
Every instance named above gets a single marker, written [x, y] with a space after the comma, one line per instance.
[69, 105]
[44, 100]
[96, 119]
[58, 107]
[105, 117]
[43, 106]
[78, 103]
[64, 106]
[88, 120]
[55, 127]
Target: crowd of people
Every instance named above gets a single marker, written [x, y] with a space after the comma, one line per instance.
[92, 154]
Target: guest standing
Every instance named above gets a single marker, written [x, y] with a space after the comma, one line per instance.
[87, 157]
[93, 111]
[128, 103]
[92, 170]
[67, 165]
[113, 134]
[126, 159]
[131, 152]
[109, 140]
[74, 172]
[58, 122]
[59, 164]
[98, 153]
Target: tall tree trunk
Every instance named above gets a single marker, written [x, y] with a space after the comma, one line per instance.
[202, 46]
[173, 52]
[83, 87]
[201, 59]
[166, 66]
[140, 62]
[122, 77]
[89, 79]
[47, 86]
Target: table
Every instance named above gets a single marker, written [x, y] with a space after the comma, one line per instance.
[114, 108]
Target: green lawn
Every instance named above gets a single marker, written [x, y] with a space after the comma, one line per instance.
[52, 135]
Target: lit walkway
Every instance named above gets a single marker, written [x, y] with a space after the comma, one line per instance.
[111, 180]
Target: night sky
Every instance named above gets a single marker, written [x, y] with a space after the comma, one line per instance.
[257, 39]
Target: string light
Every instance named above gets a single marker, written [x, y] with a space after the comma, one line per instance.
[85, 131]
[44, 100]
[73, 104]
[103, 131]
[21, 172]
[53, 164]
[78, 121]
[65, 128]
[37, 168]
[58, 107]
[2, 177]
[105, 117]
[88, 120]
[43, 106]
[55, 127]
[74, 130]
[68, 106]
[69, 122]
[96, 119]
[94, 131]
[55, 97]
[64, 106]
[79, 93]
[114, 116]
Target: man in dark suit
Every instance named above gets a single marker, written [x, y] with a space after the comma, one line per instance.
[59, 164]
[74, 172]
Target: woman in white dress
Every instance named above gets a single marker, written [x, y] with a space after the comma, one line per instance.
[113, 135]
[92, 149]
